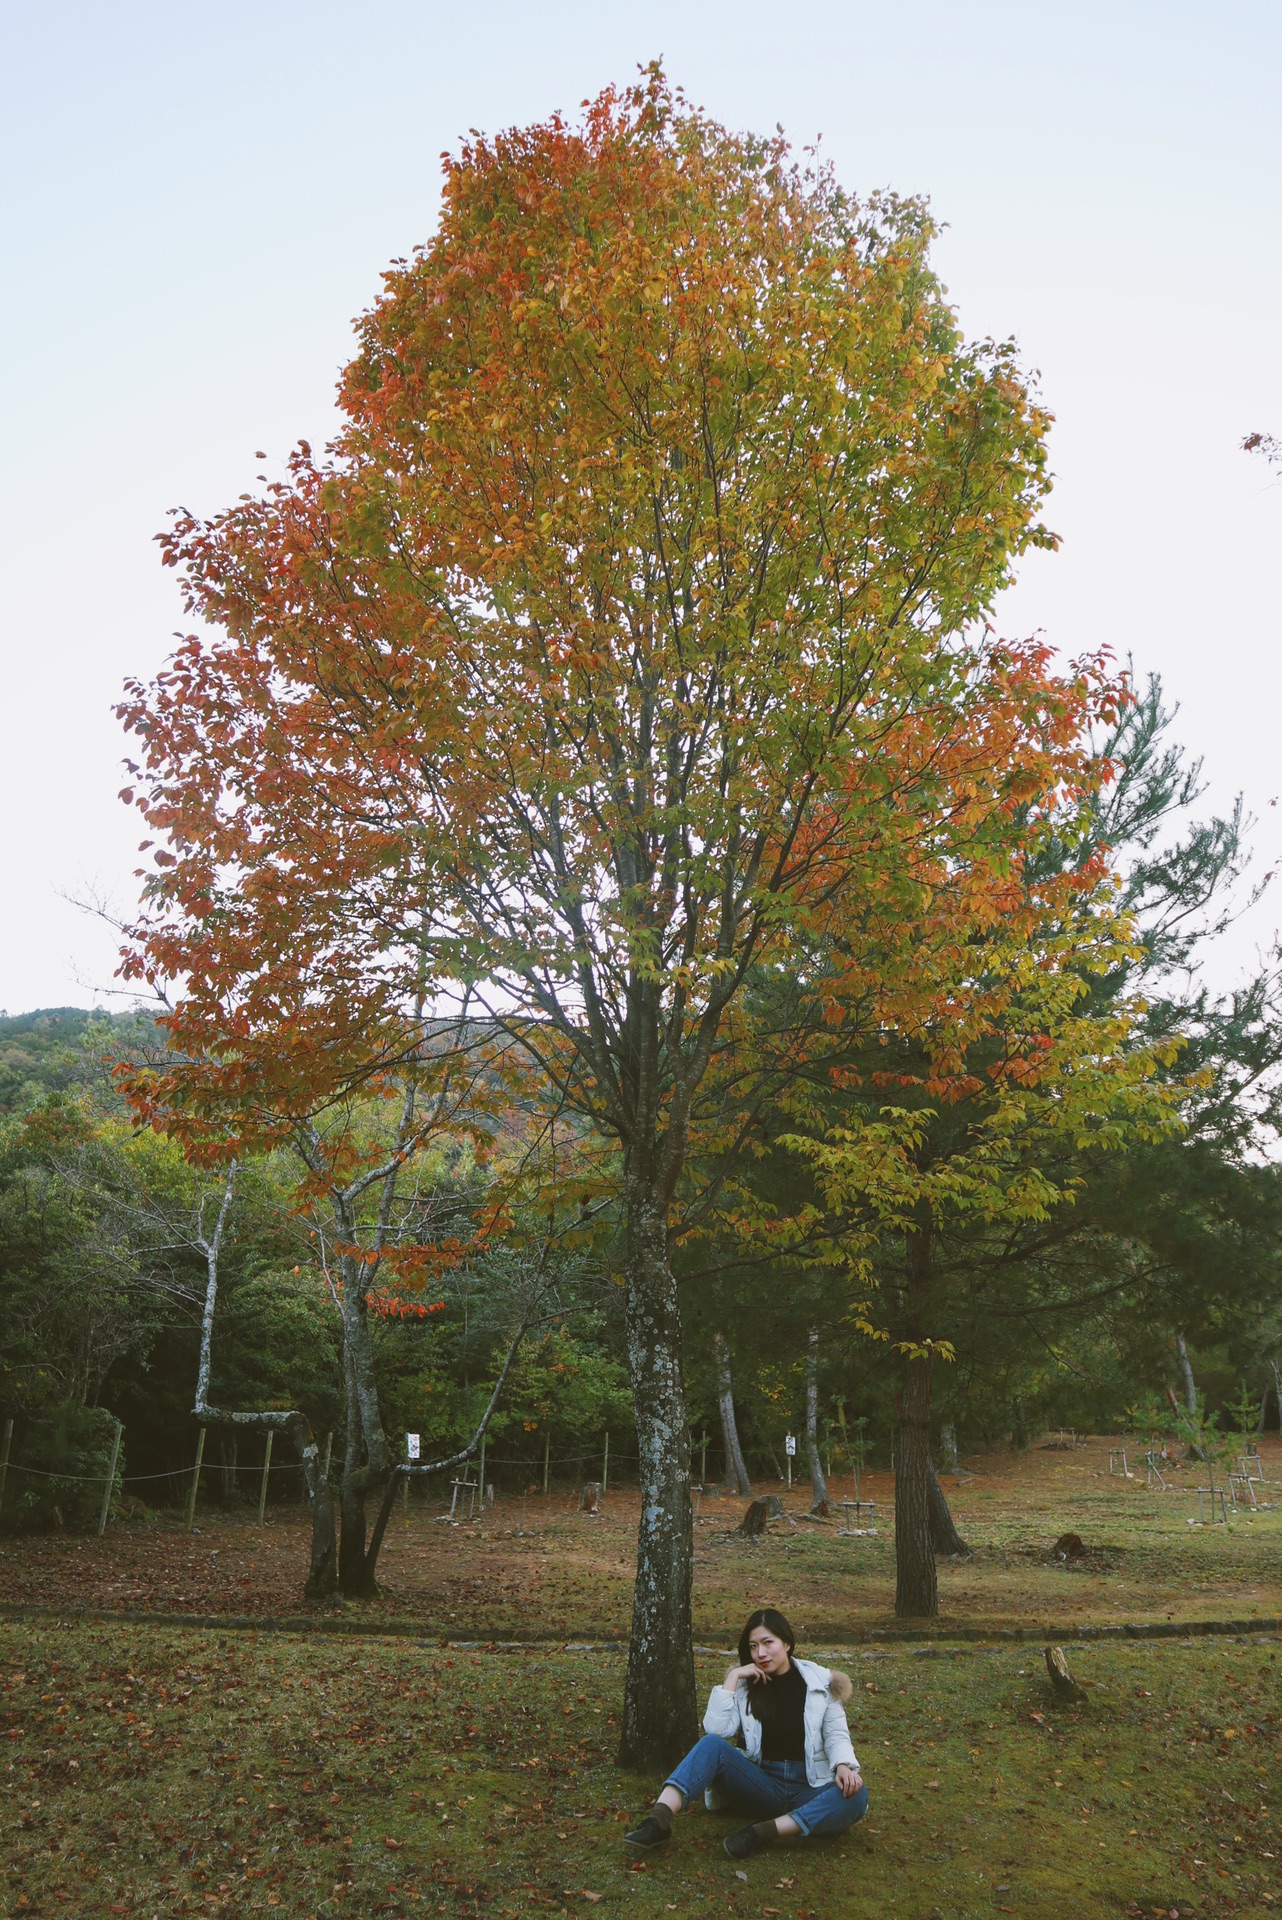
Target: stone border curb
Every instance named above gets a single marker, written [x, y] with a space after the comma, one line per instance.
[405, 1630]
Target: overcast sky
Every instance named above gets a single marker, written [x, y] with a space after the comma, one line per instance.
[197, 200]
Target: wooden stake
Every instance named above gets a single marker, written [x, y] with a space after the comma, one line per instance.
[4, 1456]
[111, 1478]
[703, 1458]
[547, 1443]
[480, 1475]
[605, 1465]
[1060, 1677]
[195, 1480]
[267, 1467]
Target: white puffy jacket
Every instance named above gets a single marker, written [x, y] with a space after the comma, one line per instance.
[828, 1743]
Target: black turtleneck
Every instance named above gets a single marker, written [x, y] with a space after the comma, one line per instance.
[781, 1707]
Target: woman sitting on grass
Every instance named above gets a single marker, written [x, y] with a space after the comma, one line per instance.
[796, 1770]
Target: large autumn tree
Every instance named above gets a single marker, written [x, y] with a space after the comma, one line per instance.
[627, 643]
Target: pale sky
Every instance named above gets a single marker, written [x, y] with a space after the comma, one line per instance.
[198, 199]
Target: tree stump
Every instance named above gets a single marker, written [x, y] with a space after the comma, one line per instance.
[753, 1524]
[1060, 1678]
[590, 1500]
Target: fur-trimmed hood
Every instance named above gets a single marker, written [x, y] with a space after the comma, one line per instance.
[824, 1679]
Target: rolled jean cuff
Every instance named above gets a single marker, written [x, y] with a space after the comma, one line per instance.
[849, 1812]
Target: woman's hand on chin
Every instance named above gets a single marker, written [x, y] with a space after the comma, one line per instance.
[736, 1674]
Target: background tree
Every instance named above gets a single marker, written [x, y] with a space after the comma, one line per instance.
[1155, 1210]
[735, 1471]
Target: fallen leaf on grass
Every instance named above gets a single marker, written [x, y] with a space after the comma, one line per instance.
[594, 1897]
[739, 1874]
[783, 1883]
[389, 1842]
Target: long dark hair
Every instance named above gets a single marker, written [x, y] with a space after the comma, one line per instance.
[758, 1701]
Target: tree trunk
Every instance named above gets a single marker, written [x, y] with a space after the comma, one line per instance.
[367, 1465]
[818, 1485]
[736, 1472]
[916, 1590]
[1190, 1384]
[944, 1537]
[948, 1446]
[354, 1577]
[322, 1574]
[659, 1718]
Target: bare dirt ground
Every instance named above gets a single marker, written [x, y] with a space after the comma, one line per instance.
[531, 1567]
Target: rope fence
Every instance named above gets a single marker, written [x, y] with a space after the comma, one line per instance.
[292, 1466]
[591, 1465]
[597, 1462]
[123, 1479]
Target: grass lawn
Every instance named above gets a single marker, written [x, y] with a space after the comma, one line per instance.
[163, 1770]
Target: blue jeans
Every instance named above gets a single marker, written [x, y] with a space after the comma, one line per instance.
[766, 1791]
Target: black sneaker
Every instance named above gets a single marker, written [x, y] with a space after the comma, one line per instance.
[649, 1834]
[741, 1845]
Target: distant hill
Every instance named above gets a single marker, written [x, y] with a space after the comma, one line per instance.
[43, 1052]
[45, 1020]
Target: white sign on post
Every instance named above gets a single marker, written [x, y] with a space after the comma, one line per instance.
[411, 1446]
[790, 1443]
